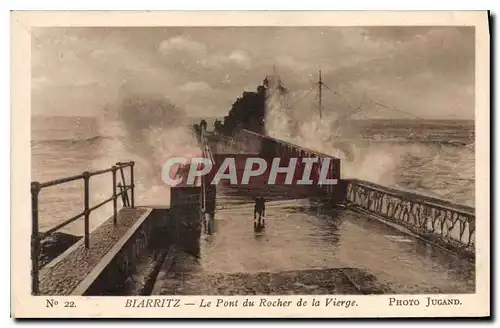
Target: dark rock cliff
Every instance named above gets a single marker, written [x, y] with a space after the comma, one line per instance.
[249, 110]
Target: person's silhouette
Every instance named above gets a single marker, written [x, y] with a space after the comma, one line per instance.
[260, 209]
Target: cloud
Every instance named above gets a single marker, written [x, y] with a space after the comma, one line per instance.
[179, 43]
[237, 58]
[199, 54]
[240, 57]
[291, 63]
[201, 98]
[208, 68]
[199, 86]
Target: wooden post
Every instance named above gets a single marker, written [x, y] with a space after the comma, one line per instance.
[86, 178]
[35, 241]
[115, 213]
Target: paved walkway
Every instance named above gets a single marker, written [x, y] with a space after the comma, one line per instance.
[62, 276]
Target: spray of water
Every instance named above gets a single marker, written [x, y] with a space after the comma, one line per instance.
[330, 134]
[146, 129]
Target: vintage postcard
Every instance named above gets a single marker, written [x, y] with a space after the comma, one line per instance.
[250, 164]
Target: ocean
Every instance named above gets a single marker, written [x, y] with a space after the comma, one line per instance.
[434, 158]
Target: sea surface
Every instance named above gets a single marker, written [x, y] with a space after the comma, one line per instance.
[435, 158]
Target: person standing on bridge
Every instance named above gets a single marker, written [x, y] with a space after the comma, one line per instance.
[260, 208]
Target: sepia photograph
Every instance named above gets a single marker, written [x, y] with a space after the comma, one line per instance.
[258, 163]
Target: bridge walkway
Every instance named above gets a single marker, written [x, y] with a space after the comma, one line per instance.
[308, 248]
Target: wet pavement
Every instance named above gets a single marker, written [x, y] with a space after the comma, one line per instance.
[307, 248]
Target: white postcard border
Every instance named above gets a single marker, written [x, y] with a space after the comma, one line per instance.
[25, 305]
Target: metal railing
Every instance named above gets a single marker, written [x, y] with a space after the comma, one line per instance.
[452, 224]
[36, 187]
[207, 192]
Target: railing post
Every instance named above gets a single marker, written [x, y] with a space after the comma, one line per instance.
[35, 241]
[86, 178]
[115, 213]
[123, 188]
[132, 186]
[202, 194]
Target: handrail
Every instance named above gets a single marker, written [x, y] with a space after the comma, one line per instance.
[36, 187]
[416, 197]
[207, 154]
[449, 224]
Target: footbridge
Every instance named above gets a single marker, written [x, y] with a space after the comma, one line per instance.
[351, 237]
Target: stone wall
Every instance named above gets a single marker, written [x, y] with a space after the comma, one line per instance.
[186, 211]
[131, 268]
[450, 225]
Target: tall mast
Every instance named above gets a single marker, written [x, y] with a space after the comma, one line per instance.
[278, 87]
[320, 86]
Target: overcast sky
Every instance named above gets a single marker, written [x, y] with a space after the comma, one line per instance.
[82, 71]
